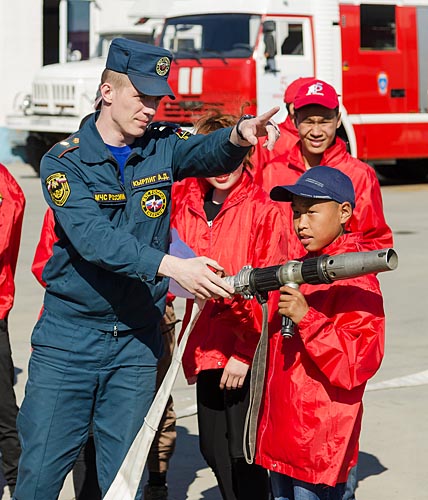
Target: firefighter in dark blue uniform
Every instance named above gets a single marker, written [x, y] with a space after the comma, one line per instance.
[96, 345]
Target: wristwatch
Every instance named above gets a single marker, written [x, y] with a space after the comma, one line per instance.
[243, 117]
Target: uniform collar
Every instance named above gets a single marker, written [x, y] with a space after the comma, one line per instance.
[93, 149]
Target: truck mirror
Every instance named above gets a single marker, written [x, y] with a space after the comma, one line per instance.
[269, 26]
[269, 39]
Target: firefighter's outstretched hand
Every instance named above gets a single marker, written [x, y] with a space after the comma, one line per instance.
[259, 126]
[200, 276]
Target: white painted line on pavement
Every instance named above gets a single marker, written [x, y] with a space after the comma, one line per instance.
[187, 412]
[420, 378]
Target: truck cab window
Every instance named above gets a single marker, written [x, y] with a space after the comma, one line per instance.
[292, 44]
[377, 25]
[106, 38]
[211, 35]
[78, 30]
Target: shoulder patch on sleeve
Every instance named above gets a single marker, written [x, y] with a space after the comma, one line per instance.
[58, 188]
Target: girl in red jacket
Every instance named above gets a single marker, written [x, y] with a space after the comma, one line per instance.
[310, 417]
[12, 205]
[230, 219]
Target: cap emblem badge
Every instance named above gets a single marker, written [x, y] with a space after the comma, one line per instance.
[162, 66]
[315, 89]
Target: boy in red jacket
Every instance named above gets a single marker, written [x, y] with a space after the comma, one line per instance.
[310, 418]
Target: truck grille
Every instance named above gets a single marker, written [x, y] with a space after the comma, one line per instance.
[54, 98]
[63, 93]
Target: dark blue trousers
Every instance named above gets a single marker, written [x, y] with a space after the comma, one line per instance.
[78, 375]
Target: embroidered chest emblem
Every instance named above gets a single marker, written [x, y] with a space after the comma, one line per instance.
[153, 203]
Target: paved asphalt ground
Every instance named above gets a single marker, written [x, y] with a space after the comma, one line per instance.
[394, 443]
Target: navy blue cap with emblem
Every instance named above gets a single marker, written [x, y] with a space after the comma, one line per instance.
[147, 66]
[322, 182]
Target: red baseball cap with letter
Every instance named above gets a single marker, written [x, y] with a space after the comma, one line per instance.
[291, 90]
[316, 92]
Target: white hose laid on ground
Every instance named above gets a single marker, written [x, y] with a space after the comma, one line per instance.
[128, 477]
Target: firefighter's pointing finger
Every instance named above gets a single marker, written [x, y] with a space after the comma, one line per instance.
[273, 134]
[250, 127]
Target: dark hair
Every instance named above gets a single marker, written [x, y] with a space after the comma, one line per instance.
[336, 109]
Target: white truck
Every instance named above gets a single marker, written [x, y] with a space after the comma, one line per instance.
[62, 94]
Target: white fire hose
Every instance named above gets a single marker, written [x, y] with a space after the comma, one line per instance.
[128, 477]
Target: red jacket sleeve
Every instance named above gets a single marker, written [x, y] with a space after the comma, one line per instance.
[12, 205]
[10, 237]
[348, 346]
[44, 248]
[368, 217]
[271, 249]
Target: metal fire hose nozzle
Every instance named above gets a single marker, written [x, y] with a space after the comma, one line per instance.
[324, 269]
[250, 282]
[241, 282]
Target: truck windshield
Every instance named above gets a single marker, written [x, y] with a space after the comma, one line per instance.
[211, 36]
[106, 39]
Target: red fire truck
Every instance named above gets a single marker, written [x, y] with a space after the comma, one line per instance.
[235, 53]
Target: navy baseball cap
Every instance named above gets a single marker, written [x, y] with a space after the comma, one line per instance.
[323, 183]
[147, 66]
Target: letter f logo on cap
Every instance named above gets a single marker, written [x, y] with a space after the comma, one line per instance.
[315, 89]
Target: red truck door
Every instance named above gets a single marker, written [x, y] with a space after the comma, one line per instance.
[380, 75]
[379, 57]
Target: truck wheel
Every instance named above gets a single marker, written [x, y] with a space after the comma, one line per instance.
[404, 170]
[36, 146]
[344, 136]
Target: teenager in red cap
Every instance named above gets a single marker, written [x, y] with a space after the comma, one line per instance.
[288, 137]
[317, 118]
